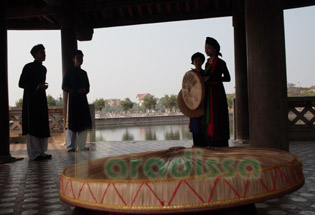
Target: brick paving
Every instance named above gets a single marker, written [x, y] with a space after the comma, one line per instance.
[31, 187]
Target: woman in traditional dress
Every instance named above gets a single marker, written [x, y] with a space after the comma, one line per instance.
[78, 119]
[216, 109]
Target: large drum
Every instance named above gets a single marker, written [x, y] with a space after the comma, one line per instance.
[181, 180]
[190, 98]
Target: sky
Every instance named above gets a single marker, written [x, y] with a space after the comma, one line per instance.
[125, 61]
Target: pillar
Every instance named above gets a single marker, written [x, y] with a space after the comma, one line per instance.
[68, 45]
[267, 83]
[5, 156]
[241, 88]
[4, 105]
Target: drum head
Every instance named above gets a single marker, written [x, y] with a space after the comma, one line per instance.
[185, 110]
[193, 89]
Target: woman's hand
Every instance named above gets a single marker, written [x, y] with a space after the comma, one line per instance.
[42, 86]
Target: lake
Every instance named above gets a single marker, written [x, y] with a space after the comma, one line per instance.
[153, 132]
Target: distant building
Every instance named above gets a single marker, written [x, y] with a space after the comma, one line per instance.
[113, 102]
[312, 88]
[140, 98]
[295, 91]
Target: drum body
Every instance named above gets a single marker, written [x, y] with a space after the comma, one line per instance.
[190, 98]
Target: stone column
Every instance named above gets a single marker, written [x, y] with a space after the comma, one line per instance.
[268, 109]
[241, 88]
[68, 45]
[4, 107]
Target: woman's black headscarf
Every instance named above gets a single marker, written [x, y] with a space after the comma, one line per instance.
[214, 43]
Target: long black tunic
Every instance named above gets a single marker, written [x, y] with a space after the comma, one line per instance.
[35, 111]
[78, 113]
[215, 92]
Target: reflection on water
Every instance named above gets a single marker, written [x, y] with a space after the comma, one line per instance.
[126, 136]
[172, 135]
[156, 132]
[150, 133]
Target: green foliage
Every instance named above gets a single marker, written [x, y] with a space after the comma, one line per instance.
[307, 93]
[166, 102]
[230, 99]
[149, 102]
[159, 104]
[51, 101]
[19, 103]
[137, 108]
[170, 102]
[112, 108]
[59, 101]
[126, 105]
[99, 104]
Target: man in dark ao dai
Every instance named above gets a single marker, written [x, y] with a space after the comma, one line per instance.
[35, 123]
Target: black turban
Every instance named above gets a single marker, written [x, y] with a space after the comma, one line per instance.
[36, 48]
[77, 52]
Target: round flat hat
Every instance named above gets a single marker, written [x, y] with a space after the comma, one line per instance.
[193, 89]
[185, 110]
[181, 179]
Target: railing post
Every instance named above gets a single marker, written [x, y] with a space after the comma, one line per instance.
[92, 132]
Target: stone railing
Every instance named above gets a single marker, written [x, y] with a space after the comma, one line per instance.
[56, 124]
[301, 115]
[55, 115]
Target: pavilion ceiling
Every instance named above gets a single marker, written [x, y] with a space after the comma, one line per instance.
[47, 14]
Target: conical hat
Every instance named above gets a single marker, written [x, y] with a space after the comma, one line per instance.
[185, 110]
[193, 89]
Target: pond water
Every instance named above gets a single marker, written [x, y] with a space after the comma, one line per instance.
[154, 132]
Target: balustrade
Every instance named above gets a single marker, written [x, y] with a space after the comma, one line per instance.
[301, 116]
[55, 115]
[301, 119]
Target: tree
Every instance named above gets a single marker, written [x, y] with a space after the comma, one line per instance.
[166, 102]
[126, 105]
[112, 108]
[307, 93]
[99, 104]
[51, 101]
[173, 101]
[19, 103]
[170, 102]
[59, 101]
[149, 102]
[230, 99]
[137, 108]
[159, 104]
